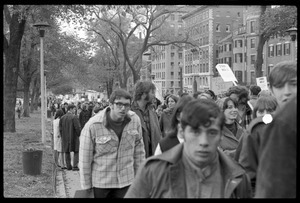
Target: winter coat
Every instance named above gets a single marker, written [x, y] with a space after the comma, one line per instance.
[155, 133]
[165, 121]
[84, 116]
[70, 129]
[56, 136]
[247, 150]
[229, 142]
[163, 176]
[277, 167]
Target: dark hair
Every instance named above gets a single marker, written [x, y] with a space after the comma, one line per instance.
[173, 97]
[58, 114]
[240, 91]
[282, 73]
[195, 95]
[184, 94]
[178, 109]
[142, 87]
[198, 112]
[255, 89]
[211, 93]
[119, 93]
[268, 103]
[71, 106]
[223, 103]
[66, 103]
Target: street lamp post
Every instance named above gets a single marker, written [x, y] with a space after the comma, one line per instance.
[293, 33]
[41, 26]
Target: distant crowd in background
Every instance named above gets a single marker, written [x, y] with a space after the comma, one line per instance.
[187, 146]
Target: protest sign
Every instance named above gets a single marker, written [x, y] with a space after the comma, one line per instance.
[226, 73]
[219, 86]
[262, 83]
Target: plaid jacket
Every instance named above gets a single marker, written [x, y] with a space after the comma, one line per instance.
[106, 162]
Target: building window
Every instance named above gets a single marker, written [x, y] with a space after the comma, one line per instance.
[218, 27]
[172, 55]
[252, 59]
[245, 57]
[230, 49]
[227, 28]
[179, 18]
[172, 17]
[239, 75]
[287, 48]
[238, 43]
[238, 58]
[207, 67]
[278, 50]
[252, 26]
[253, 78]
[271, 50]
[180, 55]
[252, 43]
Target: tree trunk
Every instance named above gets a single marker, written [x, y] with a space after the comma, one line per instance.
[260, 47]
[28, 77]
[259, 56]
[34, 95]
[12, 56]
[26, 100]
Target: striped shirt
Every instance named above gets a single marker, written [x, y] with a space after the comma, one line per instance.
[104, 160]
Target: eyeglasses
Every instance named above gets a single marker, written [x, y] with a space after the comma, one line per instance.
[120, 105]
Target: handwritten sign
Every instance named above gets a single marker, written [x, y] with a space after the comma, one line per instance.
[219, 86]
[226, 72]
[262, 83]
[158, 92]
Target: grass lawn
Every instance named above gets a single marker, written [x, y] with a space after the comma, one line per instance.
[28, 135]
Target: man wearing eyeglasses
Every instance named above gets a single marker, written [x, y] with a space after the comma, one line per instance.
[111, 148]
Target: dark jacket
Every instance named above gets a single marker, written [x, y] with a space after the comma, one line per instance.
[84, 116]
[168, 142]
[277, 168]
[165, 121]
[229, 142]
[249, 145]
[70, 129]
[162, 176]
[154, 135]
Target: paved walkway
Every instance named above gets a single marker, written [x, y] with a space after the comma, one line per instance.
[67, 182]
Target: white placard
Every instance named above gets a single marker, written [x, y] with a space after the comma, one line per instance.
[158, 92]
[262, 83]
[219, 86]
[226, 72]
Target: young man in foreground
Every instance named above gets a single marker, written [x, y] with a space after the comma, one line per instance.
[194, 168]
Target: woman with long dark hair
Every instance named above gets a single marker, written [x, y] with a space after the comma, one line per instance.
[173, 137]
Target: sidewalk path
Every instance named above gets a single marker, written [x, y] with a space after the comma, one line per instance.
[67, 182]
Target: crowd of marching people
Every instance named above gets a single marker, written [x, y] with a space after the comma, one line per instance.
[242, 145]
